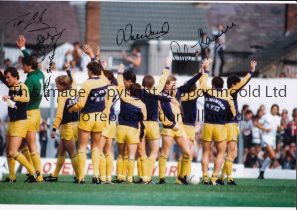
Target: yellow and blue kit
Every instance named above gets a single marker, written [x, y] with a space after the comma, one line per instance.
[91, 104]
[109, 130]
[18, 125]
[67, 121]
[218, 110]
[130, 119]
[171, 113]
[152, 129]
[188, 101]
[232, 123]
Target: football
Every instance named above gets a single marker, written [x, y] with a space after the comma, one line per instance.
[1, 176]
[192, 179]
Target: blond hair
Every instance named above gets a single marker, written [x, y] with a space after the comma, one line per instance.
[64, 81]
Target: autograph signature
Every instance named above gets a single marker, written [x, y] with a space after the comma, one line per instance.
[125, 35]
[178, 53]
[46, 41]
[203, 44]
[209, 40]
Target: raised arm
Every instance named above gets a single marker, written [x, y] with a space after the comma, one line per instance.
[120, 78]
[144, 94]
[159, 88]
[186, 87]
[21, 43]
[136, 61]
[205, 71]
[246, 79]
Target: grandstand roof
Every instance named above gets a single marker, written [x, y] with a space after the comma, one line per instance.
[274, 52]
[184, 20]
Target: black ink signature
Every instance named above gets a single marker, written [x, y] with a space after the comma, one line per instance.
[186, 56]
[209, 40]
[182, 55]
[46, 42]
[125, 35]
[33, 23]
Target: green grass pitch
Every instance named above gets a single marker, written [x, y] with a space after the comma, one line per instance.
[248, 192]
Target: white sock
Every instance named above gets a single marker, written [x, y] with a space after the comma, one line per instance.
[265, 164]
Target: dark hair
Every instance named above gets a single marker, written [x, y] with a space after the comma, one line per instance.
[136, 47]
[129, 76]
[245, 106]
[94, 67]
[294, 110]
[258, 112]
[13, 71]
[76, 43]
[248, 112]
[34, 61]
[109, 75]
[275, 105]
[29, 61]
[232, 80]
[255, 117]
[148, 81]
[217, 82]
[135, 90]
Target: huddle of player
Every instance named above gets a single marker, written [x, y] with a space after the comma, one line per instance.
[91, 116]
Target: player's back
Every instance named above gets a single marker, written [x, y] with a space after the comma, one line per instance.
[96, 90]
[131, 112]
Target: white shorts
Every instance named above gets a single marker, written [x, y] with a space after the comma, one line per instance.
[269, 141]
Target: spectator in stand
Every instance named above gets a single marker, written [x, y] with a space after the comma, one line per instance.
[53, 66]
[291, 129]
[282, 75]
[205, 51]
[2, 138]
[43, 138]
[19, 64]
[76, 54]
[261, 111]
[244, 108]
[7, 63]
[262, 108]
[256, 132]
[133, 61]
[246, 127]
[285, 118]
[73, 66]
[251, 160]
[276, 164]
[289, 161]
[220, 47]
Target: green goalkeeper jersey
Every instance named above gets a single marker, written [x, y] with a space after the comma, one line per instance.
[35, 84]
